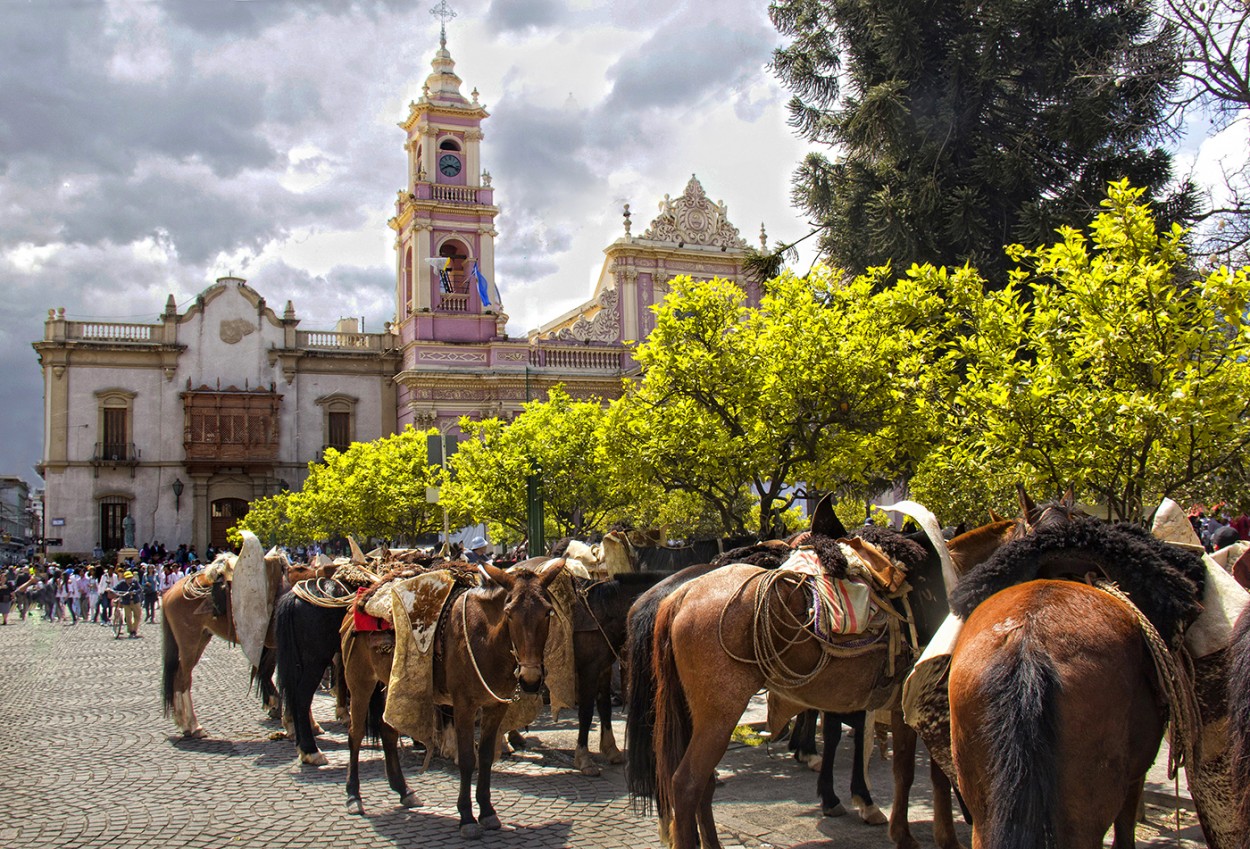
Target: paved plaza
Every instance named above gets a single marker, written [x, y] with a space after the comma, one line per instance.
[87, 761]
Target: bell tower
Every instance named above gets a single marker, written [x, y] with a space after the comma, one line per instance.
[445, 214]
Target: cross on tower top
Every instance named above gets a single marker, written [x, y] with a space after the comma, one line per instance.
[444, 13]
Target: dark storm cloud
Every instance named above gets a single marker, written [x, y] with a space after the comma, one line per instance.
[511, 16]
[538, 151]
[680, 67]
[235, 18]
[345, 291]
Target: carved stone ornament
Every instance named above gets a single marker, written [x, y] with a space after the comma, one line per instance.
[692, 219]
[604, 327]
[233, 330]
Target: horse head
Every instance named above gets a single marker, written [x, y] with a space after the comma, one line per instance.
[527, 612]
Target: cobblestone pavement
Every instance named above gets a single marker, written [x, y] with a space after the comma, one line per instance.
[88, 760]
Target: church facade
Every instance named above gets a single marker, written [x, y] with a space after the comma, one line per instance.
[179, 424]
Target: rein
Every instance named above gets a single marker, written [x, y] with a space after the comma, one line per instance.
[468, 645]
[583, 593]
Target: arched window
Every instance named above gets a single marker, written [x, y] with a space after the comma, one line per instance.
[449, 144]
[459, 255]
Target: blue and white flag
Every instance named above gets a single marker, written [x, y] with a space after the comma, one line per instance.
[485, 289]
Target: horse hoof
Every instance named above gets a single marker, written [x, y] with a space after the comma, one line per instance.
[813, 762]
[838, 810]
[410, 800]
[470, 831]
[313, 758]
[195, 733]
[517, 740]
[591, 770]
[341, 715]
[354, 806]
[490, 823]
[616, 757]
[873, 816]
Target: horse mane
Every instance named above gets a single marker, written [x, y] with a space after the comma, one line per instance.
[1164, 581]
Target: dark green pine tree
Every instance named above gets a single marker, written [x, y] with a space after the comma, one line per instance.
[957, 127]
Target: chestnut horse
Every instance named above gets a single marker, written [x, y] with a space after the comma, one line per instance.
[1239, 719]
[194, 610]
[489, 644]
[1054, 715]
[711, 654]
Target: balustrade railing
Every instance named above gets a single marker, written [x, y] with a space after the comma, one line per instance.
[454, 194]
[112, 332]
[341, 341]
[590, 359]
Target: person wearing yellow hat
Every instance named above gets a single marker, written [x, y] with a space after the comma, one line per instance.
[127, 593]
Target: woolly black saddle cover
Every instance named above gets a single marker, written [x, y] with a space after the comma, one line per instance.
[1164, 581]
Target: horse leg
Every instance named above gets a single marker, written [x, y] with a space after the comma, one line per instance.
[803, 740]
[187, 659]
[1125, 829]
[264, 682]
[904, 769]
[341, 693]
[587, 684]
[943, 815]
[607, 740]
[861, 793]
[464, 720]
[394, 773]
[361, 680]
[695, 779]
[830, 804]
[300, 712]
[491, 718]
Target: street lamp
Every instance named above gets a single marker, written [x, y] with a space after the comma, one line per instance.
[178, 486]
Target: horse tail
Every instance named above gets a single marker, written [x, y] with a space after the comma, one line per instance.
[1021, 717]
[1239, 718]
[373, 719]
[289, 660]
[672, 712]
[169, 665]
[640, 697]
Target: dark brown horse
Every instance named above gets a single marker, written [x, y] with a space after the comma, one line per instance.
[199, 607]
[489, 645]
[1054, 715]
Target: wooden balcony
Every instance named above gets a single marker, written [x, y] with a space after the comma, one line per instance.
[230, 428]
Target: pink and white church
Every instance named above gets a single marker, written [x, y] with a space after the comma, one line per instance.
[192, 417]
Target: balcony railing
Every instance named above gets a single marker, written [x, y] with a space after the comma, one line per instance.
[452, 302]
[577, 358]
[115, 454]
[339, 341]
[454, 194]
[97, 331]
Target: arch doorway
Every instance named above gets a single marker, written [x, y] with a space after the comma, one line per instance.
[226, 512]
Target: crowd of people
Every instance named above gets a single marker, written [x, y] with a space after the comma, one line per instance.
[89, 592]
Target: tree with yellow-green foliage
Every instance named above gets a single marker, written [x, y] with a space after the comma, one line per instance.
[373, 490]
[558, 439]
[1106, 363]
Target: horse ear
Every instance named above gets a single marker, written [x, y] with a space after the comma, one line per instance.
[1068, 499]
[495, 575]
[994, 516]
[551, 573]
[1028, 510]
[825, 521]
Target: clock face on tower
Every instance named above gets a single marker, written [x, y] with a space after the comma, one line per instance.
[449, 164]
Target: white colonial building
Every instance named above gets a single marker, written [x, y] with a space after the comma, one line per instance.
[182, 422]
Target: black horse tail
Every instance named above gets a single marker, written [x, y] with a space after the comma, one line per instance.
[1239, 718]
[1021, 718]
[640, 697]
[373, 719]
[290, 661]
[169, 664]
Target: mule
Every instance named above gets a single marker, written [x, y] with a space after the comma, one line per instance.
[194, 610]
[488, 645]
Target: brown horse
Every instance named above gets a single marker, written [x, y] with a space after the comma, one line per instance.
[1239, 720]
[719, 639]
[1054, 716]
[199, 607]
[489, 645]
[1054, 719]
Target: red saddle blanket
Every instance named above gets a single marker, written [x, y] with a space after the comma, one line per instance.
[362, 621]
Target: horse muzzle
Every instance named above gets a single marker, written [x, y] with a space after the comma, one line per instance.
[530, 677]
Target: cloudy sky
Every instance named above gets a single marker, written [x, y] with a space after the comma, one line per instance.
[147, 148]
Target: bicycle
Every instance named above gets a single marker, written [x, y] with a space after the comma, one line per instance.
[119, 615]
